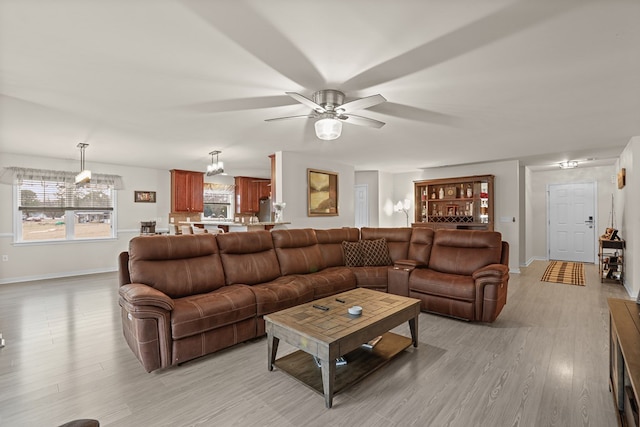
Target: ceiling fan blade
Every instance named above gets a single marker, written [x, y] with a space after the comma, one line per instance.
[290, 117]
[306, 101]
[362, 103]
[362, 121]
[408, 112]
[246, 26]
[510, 20]
[226, 105]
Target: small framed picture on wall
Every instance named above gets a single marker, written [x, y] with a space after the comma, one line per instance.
[144, 196]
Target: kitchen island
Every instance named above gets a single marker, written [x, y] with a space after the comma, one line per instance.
[231, 226]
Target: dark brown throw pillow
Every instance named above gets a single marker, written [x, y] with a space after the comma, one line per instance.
[375, 252]
[352, 254]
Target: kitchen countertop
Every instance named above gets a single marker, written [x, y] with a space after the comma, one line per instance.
[231, 223]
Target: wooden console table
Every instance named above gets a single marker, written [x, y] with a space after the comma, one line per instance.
[624, 358]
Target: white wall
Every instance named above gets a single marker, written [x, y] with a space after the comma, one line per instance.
[31, 261]
[292, 189]
[387, 197]
[629, 223]
[506, 204]
[537, 202]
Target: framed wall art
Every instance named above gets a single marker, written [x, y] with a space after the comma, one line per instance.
[622, 178]
[322, 193]
[144, 196]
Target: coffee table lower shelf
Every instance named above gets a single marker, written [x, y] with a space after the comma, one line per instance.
[360, 363]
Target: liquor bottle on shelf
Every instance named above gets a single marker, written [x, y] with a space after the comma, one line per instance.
[469, 191]
[441, 193]
[461, 191]
[433, 193]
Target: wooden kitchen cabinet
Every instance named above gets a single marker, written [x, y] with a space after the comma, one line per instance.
[249, 191]
[187, 191]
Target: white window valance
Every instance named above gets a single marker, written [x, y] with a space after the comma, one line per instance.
[15, 175]
[220, 188]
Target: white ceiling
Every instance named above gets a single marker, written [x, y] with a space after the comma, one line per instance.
[161, 83]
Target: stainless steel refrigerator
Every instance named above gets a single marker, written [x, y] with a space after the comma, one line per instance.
[264, 215]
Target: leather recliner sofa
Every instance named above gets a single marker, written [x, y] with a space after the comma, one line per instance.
[183, 297]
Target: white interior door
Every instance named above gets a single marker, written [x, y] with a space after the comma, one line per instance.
[571, 222]
[361, 210]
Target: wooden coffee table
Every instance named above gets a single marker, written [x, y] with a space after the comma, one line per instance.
[334, 332]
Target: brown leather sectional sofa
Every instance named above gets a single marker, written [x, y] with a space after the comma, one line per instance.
[186, 296]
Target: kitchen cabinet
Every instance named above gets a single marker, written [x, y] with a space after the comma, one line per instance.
[461, 202]
[187, 190]
[249, 191]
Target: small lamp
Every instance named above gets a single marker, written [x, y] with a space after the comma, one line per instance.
[403, 207]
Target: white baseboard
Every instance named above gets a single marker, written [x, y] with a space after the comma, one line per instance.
[56, 275]
[535, 258]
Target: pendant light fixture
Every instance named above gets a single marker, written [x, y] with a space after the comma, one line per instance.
[216, 167]
[85, 175]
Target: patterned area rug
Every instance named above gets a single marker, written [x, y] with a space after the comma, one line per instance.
[569, 273]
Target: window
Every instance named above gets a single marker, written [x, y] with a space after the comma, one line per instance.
[217, 200]
[50, 207]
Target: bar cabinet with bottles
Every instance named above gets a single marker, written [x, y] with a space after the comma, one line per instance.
[462, 202]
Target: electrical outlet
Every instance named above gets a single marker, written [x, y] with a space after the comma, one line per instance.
[5, 257]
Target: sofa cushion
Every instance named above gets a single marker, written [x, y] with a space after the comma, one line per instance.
[200, 313]
[284, 292]
[248, 258]
[447, 285]
[176, 265]
[375, 252]
[372, 277]
[352, 253]
[330, 281]
[397, 239]
[464, 251]
[330, 241]
[420, 245]
[297, 251]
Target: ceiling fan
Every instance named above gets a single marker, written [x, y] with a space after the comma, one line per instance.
[329, 109]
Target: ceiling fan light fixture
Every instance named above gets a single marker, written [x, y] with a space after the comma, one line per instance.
[328, 128]
[216, 167]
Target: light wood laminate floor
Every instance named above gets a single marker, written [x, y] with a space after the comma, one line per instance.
[543, 362]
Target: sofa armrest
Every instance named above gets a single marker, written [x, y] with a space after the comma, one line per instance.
[408, 263]
[491, 291]
[138, 294]
[492, 270]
